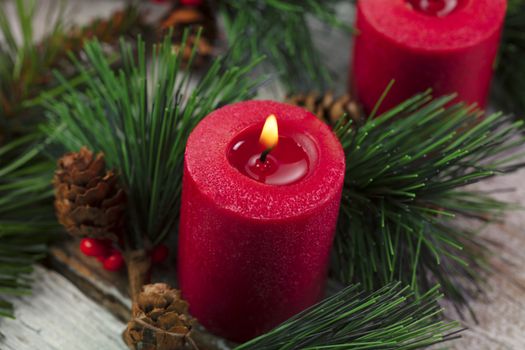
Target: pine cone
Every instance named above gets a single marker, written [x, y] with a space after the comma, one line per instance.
[88, 199]
[160, 320]
[192, 17]
[329, 108]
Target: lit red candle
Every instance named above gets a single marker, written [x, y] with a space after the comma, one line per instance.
[261, 193]
[447, 45]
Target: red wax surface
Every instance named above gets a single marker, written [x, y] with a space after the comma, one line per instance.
[411, 43]
[286, 164]
[252, 254]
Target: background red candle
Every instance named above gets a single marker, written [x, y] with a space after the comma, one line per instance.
[447, 45]
[255, 238]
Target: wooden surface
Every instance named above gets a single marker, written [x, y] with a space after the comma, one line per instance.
[58, 316]
[61, 313]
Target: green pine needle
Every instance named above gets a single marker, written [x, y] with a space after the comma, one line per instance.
[27, 220]
[405, 184]
[278, 29]
[140, 117]
[510, 75]
[390, 318]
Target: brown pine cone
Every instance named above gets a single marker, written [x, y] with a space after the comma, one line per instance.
[159, 320]
[329, 108]
[88, 199]
[184, 17]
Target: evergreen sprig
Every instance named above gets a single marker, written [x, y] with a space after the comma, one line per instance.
[390, 318]
[22, 63]
[278, 29]
[27, 220]
[510, 74]
[26, 63]
[140, 117]
[405, 186]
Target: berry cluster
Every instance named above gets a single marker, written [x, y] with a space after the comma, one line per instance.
[111, 258]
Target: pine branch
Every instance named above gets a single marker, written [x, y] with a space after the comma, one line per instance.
[510, 74]
[128, 22]
[27, 220]
[405, 185]
[20, 61]
[278, 29]
[390, 318]
[26, 65]
[140, 117]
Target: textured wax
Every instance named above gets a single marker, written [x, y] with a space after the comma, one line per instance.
[254, 251]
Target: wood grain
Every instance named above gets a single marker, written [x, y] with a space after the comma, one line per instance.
[501, 314]
[58, 316]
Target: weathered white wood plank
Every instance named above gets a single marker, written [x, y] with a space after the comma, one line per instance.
[58, 316]
[501, 314]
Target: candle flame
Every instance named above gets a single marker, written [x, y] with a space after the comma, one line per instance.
[270, 133]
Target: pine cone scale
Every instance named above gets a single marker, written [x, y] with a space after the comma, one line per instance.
[87, 215]
[83, 176]
[95, 195]
[112, 202]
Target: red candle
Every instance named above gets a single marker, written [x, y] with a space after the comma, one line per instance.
[258, 215]
[447, 45]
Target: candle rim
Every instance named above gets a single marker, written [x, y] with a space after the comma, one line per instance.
[459, 4]
[298, 199]
[459, 30]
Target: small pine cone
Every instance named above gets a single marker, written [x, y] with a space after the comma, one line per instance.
[159, 320]
[184, 17]
[88, 199]
[329, 108]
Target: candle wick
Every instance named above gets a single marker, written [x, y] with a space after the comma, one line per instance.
[264, 155]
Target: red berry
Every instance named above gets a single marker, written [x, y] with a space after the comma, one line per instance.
[159, 254]
[191, 2]
[114, 261]
[93, 247]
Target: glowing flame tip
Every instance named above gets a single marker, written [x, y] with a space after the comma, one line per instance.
[270, 132]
